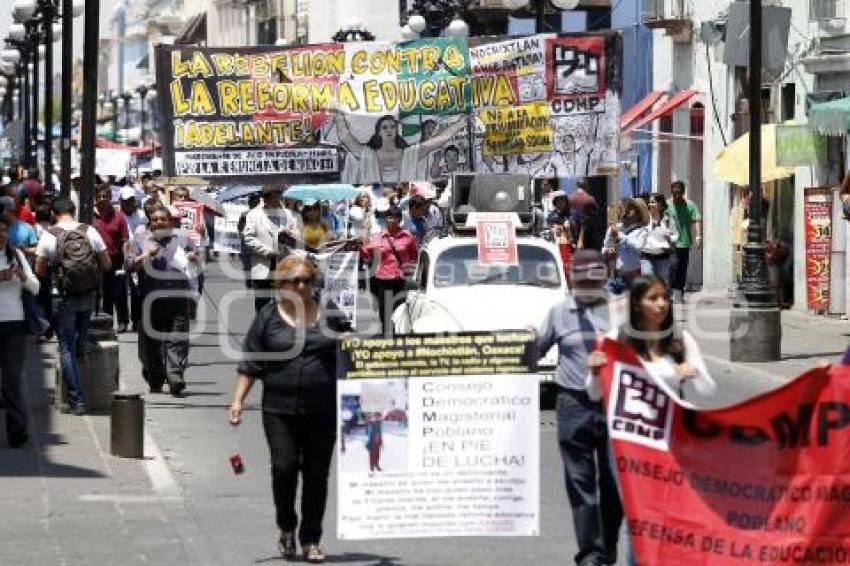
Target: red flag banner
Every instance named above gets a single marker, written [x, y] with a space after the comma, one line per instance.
[766, 481]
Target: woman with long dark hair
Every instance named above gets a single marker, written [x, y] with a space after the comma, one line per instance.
[671, 355]
[16, 278]
[660, 240]
[299, 399]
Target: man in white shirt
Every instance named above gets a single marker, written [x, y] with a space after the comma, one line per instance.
[167, 288]
[79, 255]
[263, 225]
[135, 217]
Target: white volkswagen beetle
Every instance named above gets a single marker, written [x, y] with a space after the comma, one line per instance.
[454, 293]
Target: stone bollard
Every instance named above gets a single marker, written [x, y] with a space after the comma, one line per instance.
[97, 362]
[127, 426]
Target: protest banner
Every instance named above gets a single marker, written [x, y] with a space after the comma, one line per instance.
[192, 220]
[496, 236]
[227, 238]
[340, 273]
[761, 482]
[438, 436]
[114, 162]
[817, 217]
[324, 112]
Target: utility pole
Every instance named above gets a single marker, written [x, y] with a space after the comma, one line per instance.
[89, 114]
[67, 93]
[755, 325]
[47, 22]
[26, 100]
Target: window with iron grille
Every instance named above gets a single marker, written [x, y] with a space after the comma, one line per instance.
[826, 10]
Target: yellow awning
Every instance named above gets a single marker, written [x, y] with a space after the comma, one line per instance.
[732, 164]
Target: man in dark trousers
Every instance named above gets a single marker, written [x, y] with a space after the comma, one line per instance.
[165, 269]
[79, 256]
[689, 227]
[573, 325]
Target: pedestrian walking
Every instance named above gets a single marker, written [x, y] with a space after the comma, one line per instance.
[244, 252]
[396, 251]
[298, 401]
[16, 281]
[114, 230]
[165, 269]
[583, 207]
[688, 220]
[263, 227]
[79, 256]
[624, 243]
[136, 222]
[573, 325]
[374, 440]
[660, 240]
[316, 230]
[22, 236]
[418, 220]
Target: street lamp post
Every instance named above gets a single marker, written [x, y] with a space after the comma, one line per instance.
[70, 9]
[143, 92]
[755, 323]
[48, 14]
[128, 97]
[113, 99]
[431, 18]
[88, 119]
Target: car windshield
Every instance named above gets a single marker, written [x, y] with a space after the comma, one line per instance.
[459, 266]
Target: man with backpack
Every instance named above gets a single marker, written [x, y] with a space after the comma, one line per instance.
[79, 256]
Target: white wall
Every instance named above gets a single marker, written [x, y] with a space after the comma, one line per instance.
[378, 16]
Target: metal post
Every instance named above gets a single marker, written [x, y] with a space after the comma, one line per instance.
[755, 323]
[143, 92]
[35, 86]
[114, 101]
[67, 93]
[539, 16]
[47, 21]
[26, 100]
[89, 114]
[127, 98]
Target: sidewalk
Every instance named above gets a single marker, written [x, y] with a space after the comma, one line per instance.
[806, 340]
[66, 501]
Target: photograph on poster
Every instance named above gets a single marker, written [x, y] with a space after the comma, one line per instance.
[373, 417]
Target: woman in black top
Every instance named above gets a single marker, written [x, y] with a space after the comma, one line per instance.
[291, 347]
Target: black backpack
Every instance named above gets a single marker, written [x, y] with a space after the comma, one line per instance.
[76, 263]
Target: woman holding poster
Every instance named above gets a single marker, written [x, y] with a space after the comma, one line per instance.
[291, 346]
[387, 157]
[668, 354]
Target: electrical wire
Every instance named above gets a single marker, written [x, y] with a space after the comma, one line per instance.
[711, 92]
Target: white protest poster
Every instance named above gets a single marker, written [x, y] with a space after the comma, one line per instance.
[112, 162]
[437, 455]
[340, 271]
[226, 234]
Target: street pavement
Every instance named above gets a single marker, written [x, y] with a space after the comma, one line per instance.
[67, 501]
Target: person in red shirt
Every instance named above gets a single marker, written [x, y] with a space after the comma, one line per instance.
[396, 252]
[24, 213]
[111, 224]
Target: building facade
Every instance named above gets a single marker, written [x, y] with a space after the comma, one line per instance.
[697, 45]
